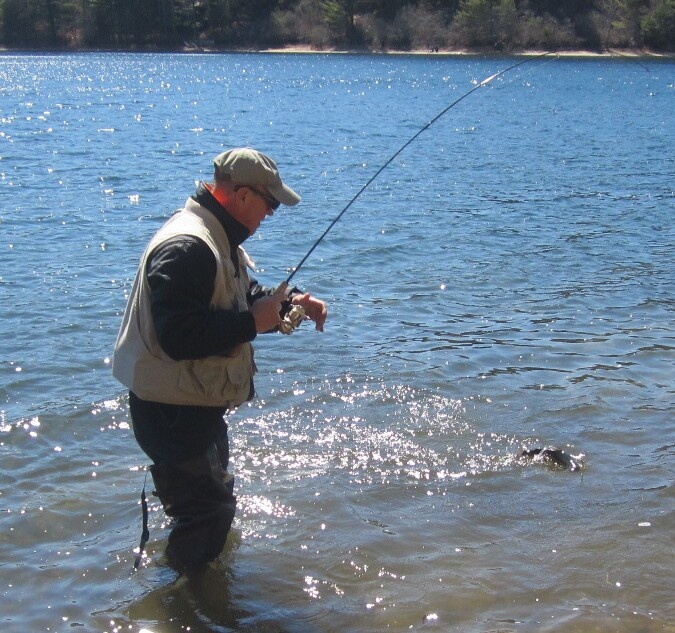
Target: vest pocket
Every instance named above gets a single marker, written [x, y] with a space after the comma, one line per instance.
[203, 377]
[217, 378]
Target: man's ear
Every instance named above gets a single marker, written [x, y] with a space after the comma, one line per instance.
[241, 194]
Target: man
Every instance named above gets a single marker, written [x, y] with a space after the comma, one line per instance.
[184, 347]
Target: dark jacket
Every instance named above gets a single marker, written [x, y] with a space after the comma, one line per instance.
[181, 274]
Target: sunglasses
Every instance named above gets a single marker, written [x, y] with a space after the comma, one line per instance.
[272, 202]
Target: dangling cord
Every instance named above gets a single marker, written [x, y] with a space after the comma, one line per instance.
[145, 535]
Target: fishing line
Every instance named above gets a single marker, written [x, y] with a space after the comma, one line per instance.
[630, 58]
[483, 83]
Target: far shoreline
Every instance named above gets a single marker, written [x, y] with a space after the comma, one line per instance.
[190, 48]
[636, 53]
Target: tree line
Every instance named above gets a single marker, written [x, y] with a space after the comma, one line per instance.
[381, 25]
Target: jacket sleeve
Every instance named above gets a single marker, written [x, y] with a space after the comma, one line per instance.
[255, 291]
[181, 273]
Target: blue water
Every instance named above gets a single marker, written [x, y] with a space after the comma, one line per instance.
[507, 282]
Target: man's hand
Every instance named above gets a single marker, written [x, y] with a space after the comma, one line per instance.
[265, 312]
[314, 308]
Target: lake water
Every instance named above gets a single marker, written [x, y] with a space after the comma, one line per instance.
[506, 283]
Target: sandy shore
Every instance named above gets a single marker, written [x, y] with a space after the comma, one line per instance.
[303, 49]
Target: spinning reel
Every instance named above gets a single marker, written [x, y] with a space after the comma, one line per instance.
[292, 319]
[294, 316]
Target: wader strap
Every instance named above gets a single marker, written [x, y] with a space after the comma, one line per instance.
[145, 534]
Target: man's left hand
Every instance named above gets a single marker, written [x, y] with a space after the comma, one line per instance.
[314, 308]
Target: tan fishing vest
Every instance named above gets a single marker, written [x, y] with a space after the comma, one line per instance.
[139, 362]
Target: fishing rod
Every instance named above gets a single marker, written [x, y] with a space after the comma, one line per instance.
[296, 315]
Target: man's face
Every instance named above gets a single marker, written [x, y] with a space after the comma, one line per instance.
[255, 204]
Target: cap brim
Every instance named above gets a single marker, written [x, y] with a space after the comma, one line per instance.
[284, 194]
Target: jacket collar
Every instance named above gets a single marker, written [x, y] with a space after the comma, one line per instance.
[235, 230]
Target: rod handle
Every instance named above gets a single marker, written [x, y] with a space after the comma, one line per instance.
[281, 289]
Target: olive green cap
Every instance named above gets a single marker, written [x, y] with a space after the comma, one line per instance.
[245, 166]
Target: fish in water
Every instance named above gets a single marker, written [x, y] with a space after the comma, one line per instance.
[553, 457]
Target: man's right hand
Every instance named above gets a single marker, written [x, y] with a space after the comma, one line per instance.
[266, 311]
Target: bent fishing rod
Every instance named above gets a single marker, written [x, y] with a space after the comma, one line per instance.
[296, 314]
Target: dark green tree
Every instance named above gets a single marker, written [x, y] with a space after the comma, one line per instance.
[626, 16]
[659, 26]
[502, 24]
[339, 15]
[448, 6]
[386, 9]
[487, 23]
[20, 19]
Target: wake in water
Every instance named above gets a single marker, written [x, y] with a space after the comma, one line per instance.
[376, 432]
